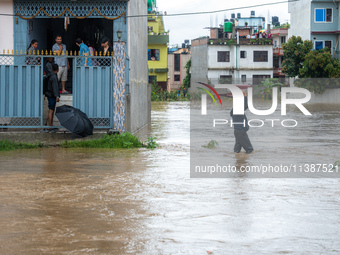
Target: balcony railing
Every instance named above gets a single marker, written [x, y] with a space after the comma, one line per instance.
[256, 41]
[158, 39]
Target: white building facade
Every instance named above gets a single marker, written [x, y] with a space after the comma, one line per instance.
[243, 63]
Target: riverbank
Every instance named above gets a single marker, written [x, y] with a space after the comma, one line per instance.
[32, 140]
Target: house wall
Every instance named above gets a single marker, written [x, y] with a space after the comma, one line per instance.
[243, 32]
[300, 19]
[324, 26]
[214, 75]
[199, 64]
[6, 30]
[161, 63]
[236, 61]
[204, 65]
[330, 96]
[172, 84]
[138, 107]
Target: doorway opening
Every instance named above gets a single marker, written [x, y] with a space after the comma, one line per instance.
[90, 30]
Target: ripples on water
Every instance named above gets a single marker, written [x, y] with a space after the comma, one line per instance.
[80, 201]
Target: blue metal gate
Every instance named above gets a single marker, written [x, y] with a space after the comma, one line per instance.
[93, 89]
[98, 90]
[20, 91]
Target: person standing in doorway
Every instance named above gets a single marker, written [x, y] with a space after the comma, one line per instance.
[92, 52]
[52, 95]
[105, 50]
[48, 67]
[241, 127]
[84, 51]
[59, 50]
[32, 50]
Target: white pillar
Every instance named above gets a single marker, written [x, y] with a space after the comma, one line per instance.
[6, 29]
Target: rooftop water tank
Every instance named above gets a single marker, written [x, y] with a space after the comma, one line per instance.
[228, 27]
[275, 19]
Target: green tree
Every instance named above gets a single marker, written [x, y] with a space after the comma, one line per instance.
[319, 64]
[187, 79]
[295, 51]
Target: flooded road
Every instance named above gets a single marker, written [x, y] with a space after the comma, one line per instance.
[139, 201]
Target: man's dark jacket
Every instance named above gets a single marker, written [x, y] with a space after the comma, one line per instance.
[53, 86]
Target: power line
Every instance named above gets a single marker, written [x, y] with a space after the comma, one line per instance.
[192, 13]
[216, 11]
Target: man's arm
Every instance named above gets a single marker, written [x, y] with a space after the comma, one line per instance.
[55, 50]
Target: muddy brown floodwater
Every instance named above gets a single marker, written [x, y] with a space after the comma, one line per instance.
[139, 201]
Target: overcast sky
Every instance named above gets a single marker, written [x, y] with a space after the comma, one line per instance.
[192, 26]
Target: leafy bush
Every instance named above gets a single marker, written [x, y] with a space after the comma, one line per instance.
[151, 143]
[158, 95]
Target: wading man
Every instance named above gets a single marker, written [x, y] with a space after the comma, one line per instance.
[241, 127]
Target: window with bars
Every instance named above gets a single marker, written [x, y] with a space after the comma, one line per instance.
[223, 56]
[177, 77]
[323, 44]
[226, 79]
[177, 62]
[283, 39]
[260, 56]
[323, 15]
[243, 54]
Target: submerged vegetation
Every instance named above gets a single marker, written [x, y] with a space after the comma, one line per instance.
[211, 145]
[157, 94]
[151, 143]
[6, 145]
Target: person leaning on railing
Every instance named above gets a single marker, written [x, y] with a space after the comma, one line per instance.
[105, 50]
[84, 51]
[31, 50]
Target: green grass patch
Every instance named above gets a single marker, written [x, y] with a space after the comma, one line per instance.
[6, 145]
[124, 140]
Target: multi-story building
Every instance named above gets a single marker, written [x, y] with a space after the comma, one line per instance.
[158, 40]
[242, 60]
[114, 94]
[176, 62]
[317, 21]
[279, 36]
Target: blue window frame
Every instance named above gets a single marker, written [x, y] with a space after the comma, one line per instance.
[323, 44]
[318, 45]
[324, 15]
